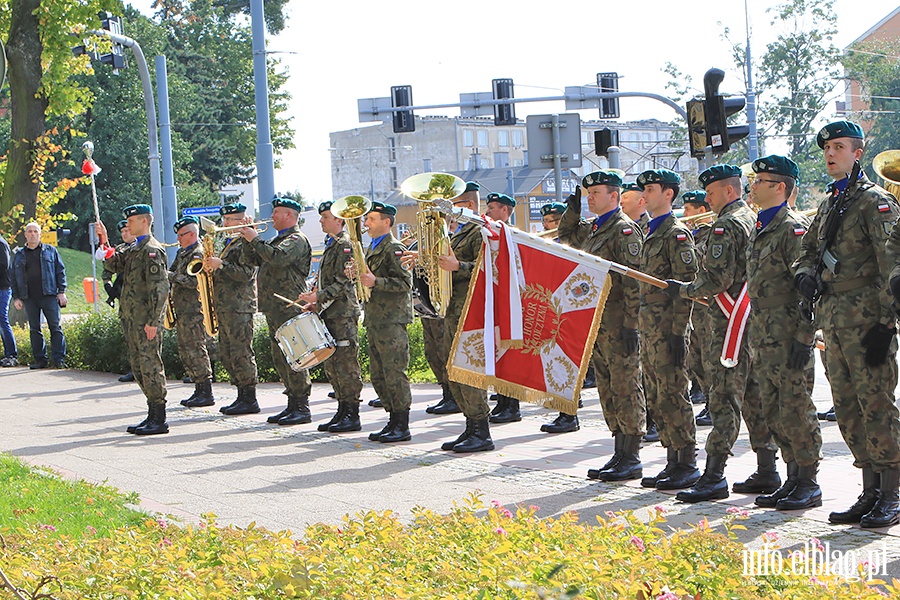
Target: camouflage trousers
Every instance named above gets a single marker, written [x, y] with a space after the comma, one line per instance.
[236, 349]
[192, 345]
[388, 360]
[753, 411]
[726, 388]
[342, 369]
[864, 399]
[146, 362]
[699, 348]
[786, 403]
[472, 401]
[619, 384]
[297, 384]
[665, 387]
[437, 347]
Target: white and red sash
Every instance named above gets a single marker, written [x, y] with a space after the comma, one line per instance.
[737, 312]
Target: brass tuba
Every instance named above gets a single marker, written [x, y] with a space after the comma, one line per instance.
[351, 209]
[887, 166]
[205, 287]
[431, 231]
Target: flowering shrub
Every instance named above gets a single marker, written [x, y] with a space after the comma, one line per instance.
[469, 553]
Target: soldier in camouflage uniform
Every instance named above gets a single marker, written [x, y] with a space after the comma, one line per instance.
[615, 237]
[437, 349]
[781, 335]
[388, 313]
[185, 299]
[114, 288]
[668, 253]
[284, 263]
[695, 204]
[856, 315]
[234, 284]
[336, 302]
[144, 293]
[725, 272]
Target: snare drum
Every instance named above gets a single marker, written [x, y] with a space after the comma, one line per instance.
[305, 341]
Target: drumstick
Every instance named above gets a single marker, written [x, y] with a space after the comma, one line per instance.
[290, 302]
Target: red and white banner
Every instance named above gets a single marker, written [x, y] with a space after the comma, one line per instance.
[737, 311]
[530, 319]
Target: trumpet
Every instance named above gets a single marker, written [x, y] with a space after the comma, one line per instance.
[351, 209]
[697, 217]
[209, 227]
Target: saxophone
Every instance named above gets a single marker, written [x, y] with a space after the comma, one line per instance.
[205, 287]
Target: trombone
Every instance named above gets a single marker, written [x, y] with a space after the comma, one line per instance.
[351, 209]
[208, 226]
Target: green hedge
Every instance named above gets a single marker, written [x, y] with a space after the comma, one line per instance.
[95, 342]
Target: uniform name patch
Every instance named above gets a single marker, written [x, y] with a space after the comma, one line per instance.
[681, 237]
[719, 230]
[799, 231]
[627, 231]
[884, 208]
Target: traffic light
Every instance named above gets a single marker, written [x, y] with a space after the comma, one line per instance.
[504, 114]
[403, 120]
[116, 58]
[696, 119]
[609, 107]
[603, 139]
[718, 109]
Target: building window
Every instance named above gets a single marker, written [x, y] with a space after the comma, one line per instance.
[518, 138]
[392, 152]
[427, 165]
[402, 230]
[468, 138]
[393, 178]
[501, 159]
[518, 162]
[525, 156]
[503, 138]
[482, 138]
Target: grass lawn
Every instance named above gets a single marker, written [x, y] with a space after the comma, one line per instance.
[78, 266]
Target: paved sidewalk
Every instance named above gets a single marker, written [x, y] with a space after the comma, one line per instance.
[243, 469]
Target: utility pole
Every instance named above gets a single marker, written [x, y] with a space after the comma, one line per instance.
[265, 156]
[752, 137]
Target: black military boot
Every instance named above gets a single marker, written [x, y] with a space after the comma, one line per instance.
[770, 500]
[704, 419]
[826, 415]
[133, 428]
[299, 415]
[127, 377]
[696, 394]
[480, 439]
[470, 427]
[617, 454]
[338, 415]
[671, 461]
[400, 431]
[350, 420]
[203, 396]
[510, 412]
[245, 404]
[652, 434]
[375, 435]
[447, 405]
[240, 396]
[685, 474]
[886, 511]
[866, 501]
[629, 465]
[765, 479]
[712, 485]
[501, 401]
[590, 379]
[190, 398]
[563, 423]
[156, 422]
[806, 494]
[376, 403]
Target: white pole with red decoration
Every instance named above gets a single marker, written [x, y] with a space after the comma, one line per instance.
[89, 167]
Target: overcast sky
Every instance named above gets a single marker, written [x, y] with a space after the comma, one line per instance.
[337, 52]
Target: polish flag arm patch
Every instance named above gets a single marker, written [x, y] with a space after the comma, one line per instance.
[719, 231]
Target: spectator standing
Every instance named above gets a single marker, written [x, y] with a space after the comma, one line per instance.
[10, 355]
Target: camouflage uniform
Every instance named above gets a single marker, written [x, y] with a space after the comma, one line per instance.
[668, 253]
[466, 244]
[107, 277]
[775, 322]
[341, 317]
[143, 302]
[189, 318]
[619, 240]
[700, 331]
[234, 286]
[854, 301]
[283, 263]
[725, 270]
[436, 346]
[387, 314]
[644, 223]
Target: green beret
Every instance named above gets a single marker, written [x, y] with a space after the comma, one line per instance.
[472, 186]
[778, 165]
[185, 221]
[502, 199]
[719, 172]
[554, 208]
[287, 203]
[657, 176]
[122, 224]
[631, 187]
[839, 129]
[695, 197]
[325, 206]
[601, 178]
[232, 209]
[137, 209]
[385, 209]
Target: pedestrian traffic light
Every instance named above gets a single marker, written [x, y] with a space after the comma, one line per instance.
[403, 120]
[116, 58]
[696, 120]
[609, 107]
[504, 114]
[603, 139]
[718, 109]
